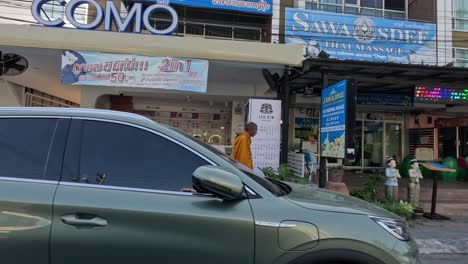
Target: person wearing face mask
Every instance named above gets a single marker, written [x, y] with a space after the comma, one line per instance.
[413, 184]
[391, 184]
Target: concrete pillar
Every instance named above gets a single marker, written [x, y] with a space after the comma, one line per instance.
[444, 31]
[11, 95]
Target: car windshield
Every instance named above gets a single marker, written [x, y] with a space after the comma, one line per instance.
[276, 187]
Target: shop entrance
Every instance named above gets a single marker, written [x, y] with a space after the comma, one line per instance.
[447, 142]
[377, 136]
[463, 135]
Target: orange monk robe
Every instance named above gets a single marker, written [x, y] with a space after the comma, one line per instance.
[242, 152]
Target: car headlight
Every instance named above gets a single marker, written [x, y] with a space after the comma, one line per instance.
[398, 229]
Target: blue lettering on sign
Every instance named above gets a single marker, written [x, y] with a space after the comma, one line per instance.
[110, 15]
[346, 36]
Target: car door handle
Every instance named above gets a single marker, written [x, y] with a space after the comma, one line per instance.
[84, 220]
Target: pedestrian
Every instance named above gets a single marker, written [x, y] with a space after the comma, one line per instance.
[242, 151]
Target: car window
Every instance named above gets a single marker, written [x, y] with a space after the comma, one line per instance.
[131, 157]
[26, 148]
[276, 188]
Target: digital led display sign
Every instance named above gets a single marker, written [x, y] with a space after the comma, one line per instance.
[440, 95]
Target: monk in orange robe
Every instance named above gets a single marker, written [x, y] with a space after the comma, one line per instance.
[242, 151]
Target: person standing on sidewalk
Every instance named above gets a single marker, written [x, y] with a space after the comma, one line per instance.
[242, 151]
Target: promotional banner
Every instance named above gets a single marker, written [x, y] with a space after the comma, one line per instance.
[104, 69]
[266, 144]
[345, 36]
[333, 121]
[250, 6]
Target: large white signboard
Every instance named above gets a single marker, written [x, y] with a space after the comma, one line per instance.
[266, 144]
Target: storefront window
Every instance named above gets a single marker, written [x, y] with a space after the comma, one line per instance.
[447, 142]
[358, 146]
[373, 144]
[460, 15]
[393, 136]
[463, 142]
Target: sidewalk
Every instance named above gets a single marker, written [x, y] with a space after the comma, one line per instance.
[442, 242]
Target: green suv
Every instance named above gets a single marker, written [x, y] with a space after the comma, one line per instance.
[90, 186]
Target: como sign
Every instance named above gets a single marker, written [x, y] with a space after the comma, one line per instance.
[109, 14]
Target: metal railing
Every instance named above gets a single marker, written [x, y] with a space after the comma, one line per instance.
[44, 100]
[212, 31]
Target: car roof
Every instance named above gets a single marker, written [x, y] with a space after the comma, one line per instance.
[77, 112]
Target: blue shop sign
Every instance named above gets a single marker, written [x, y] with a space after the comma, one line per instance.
[333, 121]
[345, 36]
[249, 6]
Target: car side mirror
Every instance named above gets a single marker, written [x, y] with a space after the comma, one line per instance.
[219, 182]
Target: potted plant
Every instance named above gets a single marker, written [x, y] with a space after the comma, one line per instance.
[335, 173]
[335, 180]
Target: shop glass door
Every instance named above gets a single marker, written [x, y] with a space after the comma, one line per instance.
[357, 147]
[373, 143]
[393, 139]
[447, 142]
[463, 136]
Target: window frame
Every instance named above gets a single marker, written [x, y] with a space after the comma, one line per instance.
[57, 146]
[73, 151]
[318, 4]
[455, 18]
[457, 59]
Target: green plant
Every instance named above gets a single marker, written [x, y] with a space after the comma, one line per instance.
[283, 173]
[401, 208]
[335, 168]
[269, 172]
[369, 192]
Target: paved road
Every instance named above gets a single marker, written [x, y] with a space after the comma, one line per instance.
[442, 242]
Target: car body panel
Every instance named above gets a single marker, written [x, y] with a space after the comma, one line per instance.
[336, 231]
[312, 197]
[164, 227]
[25, 220]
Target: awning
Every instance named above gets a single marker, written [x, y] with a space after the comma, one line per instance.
[151, 45]
[375, 77]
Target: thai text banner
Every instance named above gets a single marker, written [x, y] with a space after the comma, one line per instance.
[333, 121]
[249, 6]
[104, 69]
[345, 36]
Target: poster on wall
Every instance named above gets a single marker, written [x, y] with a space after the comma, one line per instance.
[105, 69]
[333, 121]
[353, 37]
[266, 144]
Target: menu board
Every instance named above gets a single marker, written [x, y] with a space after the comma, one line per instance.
[266, 144]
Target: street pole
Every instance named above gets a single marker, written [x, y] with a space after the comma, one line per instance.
[285, 96]
[323, 160]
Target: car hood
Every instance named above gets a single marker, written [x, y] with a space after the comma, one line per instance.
[314, 198]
